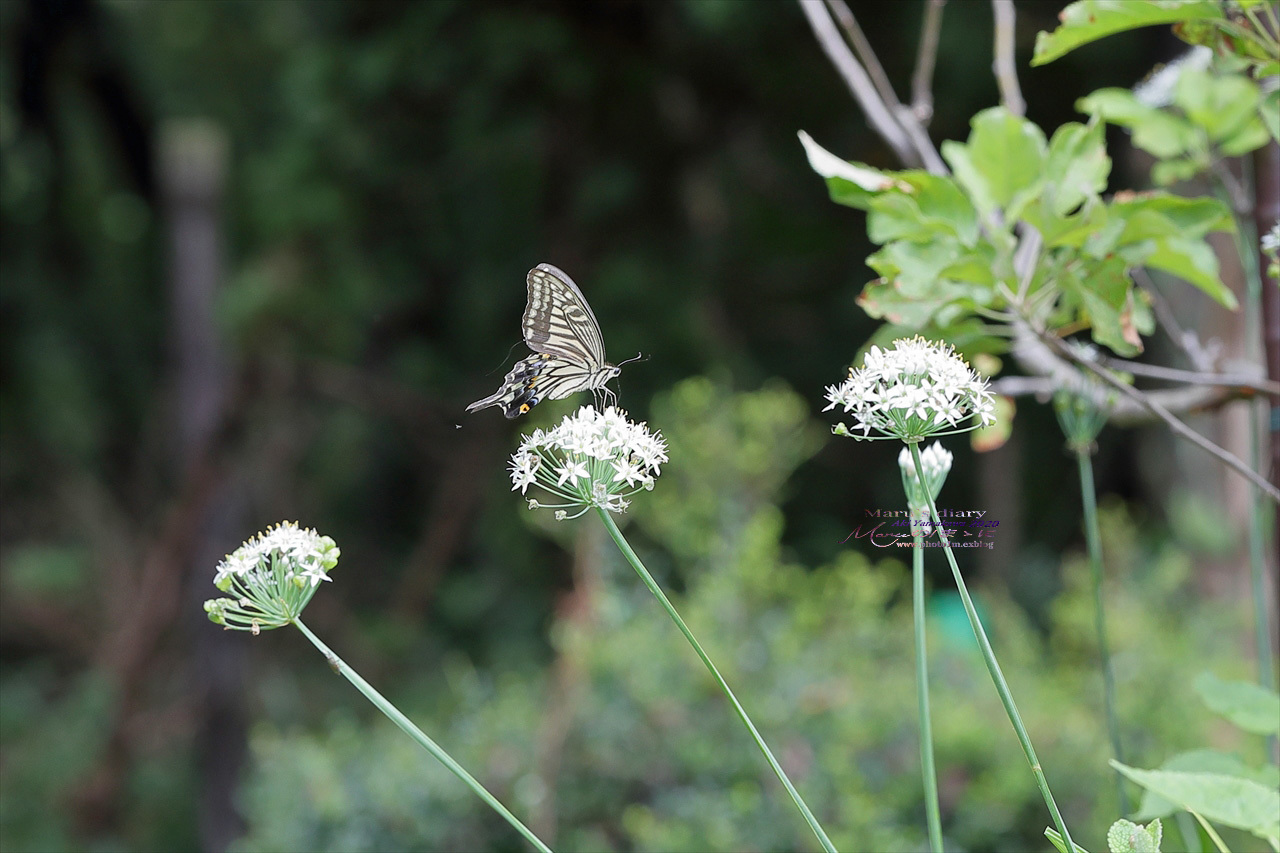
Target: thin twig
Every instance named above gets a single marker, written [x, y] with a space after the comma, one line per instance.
[1190, 377]
[926, 56]
[855, 76]
[1003, 66]
[920, 139]
[866, 55]
[1226, 457]
[1186, 340]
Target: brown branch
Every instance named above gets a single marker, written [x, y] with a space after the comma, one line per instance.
[926, 57]
[866, 55]
[1159, 410]
[1003, 66]
[1050, 373]
[859, 83]
[1191, 377]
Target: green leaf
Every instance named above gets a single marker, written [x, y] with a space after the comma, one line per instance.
[851, 184]
[1191, 217]
[1195, 261]
[1195, 761]
[926, 203]
[1001, 165]
[1105, 294]
[1221, 104]
[1269, 111]
[1127, 837]
[1069, 231]
[1089, 20]
[1055, 838]
[1169, 172]
[1076, 167]
[1240, 803]
[1158, 132]
[1250, 706]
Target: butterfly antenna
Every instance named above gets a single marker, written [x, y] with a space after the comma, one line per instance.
[505, 359]
[638, 357]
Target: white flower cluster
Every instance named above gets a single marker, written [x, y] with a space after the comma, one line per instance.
[936, 461]
[272, 576]
[590, 459]
[303, 553]
[915, 389]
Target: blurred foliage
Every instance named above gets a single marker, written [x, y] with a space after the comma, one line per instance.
[394, 168]
[652, 759]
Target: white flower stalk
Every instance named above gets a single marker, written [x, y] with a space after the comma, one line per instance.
[914, 390]
[591, 459]
[936, 460]
[272, 576]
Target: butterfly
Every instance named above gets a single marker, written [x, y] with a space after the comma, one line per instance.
[568, 349]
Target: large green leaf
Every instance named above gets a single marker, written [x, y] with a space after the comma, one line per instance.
[1230, 800]
[1002, 164]
[1192, 217]
[1250, 706]
[1089, 20]
[1158, 132]
[925, 209]
[1226, 107]
[1193, 260]
[1076, 167]
[1194, 761]
[1105, 296]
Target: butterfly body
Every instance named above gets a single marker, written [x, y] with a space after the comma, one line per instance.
[568, 349]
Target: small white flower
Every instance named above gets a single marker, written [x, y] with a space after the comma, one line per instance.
[627, 470]
[574, 470]
[590, 459]
[911, 391]
[523, 464]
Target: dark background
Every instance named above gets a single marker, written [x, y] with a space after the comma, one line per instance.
[380, 175]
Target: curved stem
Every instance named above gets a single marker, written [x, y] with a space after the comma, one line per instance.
[932, 813]
[648, 580]
[380, 702]
[1093, 538]
[989, 656]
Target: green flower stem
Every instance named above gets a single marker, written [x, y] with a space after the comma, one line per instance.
[634, 560]
[993, 665]
[414, 732]
[1094, 539]
[932, 813]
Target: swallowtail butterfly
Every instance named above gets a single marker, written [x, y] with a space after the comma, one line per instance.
[568, 349]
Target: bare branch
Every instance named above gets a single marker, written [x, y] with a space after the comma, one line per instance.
[920, 139]
[1191, 377]
[1200, 356]
[926, 56]
[875, 109]
[1003, 66]
[1051, 373]
[1156, 408]
[866, 55]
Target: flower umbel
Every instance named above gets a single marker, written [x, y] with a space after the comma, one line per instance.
[936, 460]
[590, 459]
[272, 576]
[913, 390]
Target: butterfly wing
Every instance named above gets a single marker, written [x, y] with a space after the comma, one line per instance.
[558, 321]
[541, 376]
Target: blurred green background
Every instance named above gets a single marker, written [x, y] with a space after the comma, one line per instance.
[257, 258]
